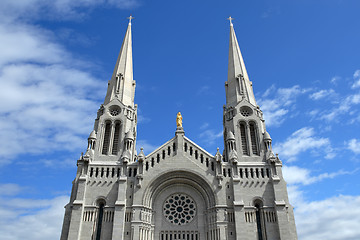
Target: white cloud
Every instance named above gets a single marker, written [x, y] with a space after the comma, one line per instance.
[296, 175]
[354, 145]
[335, 218]
[276, 103]
[47, 95]
[9, 189]
[209, 136]
[32, 219]
[300, 141]
[321, 94]
[322, 219]
[45, 103]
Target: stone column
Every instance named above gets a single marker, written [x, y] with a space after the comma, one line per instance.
[119, 215]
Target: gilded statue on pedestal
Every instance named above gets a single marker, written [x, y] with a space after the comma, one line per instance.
[179, 120]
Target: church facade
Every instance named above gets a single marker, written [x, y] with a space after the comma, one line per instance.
[179, 191]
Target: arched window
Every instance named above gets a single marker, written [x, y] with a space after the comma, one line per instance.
[106, 138]
[253, 133]
[101, 206]
[115, 145]
[259, 220]
[244, 143]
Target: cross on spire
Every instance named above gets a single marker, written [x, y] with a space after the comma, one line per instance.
[131, 17]
[230, 19]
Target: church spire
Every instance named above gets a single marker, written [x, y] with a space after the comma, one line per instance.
[122, 84]
[238, 85]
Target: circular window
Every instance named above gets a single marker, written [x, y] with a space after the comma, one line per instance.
[179, 209]
[114, 110]
[246, 111]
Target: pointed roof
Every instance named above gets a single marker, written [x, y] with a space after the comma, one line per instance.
[92, 135]
[122, 84]
[237, 68]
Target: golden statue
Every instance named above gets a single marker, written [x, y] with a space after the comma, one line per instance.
[179, 120]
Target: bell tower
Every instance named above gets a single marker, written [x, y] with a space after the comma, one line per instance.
[97, 205]
[248, 148]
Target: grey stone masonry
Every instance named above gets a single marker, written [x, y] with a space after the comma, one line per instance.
[179, 191]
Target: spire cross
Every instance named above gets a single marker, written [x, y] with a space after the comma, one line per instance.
[131, 17]
[230, 19]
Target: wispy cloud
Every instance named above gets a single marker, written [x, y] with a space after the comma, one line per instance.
[209, 136]
[148, 147]
[303, 140]
[203, 90]
[321, 94]
[356, 76]
[276, 103]
[57, 9]
[335, 80]
[303, 176]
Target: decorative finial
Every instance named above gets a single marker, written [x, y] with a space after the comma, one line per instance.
[230, 19]
[131, 17]
[179, 120]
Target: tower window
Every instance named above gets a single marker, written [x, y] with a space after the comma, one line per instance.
[99, 220]
[116, 139]
[259, 221]
[254, 145]
[106, 138]
[244, 144]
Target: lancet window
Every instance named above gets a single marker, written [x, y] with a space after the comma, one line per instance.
[111, 138]
[249, 138]
[106, 138]
[244, 143]
[259, 221]
[99, 220]
[254, 142]
[115, 146]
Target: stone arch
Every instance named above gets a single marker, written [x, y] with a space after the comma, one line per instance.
[100, 199]
[181, 183]
[184, 177]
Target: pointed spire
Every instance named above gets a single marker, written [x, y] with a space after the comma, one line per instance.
[122, 84]
[238, 84]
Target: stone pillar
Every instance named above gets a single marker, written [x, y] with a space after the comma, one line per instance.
[119, 215]
[179, 140]
[112, 131]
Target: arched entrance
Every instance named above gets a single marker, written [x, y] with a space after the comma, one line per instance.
[179, 201]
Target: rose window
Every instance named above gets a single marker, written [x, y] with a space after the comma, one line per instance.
[245, 111]
[114, 110]
[179, 209]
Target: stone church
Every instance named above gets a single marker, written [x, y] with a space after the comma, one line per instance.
[179, 191]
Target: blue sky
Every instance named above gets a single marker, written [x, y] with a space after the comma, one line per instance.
[302, 56]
